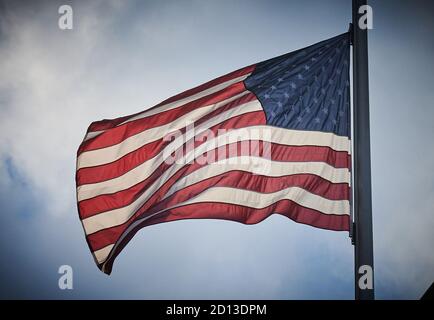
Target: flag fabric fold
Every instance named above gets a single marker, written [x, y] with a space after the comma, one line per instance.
[273, 137]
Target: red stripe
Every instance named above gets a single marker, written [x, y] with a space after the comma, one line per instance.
[240, 214]
[120, 133]
[279, 152]
[111, 123]
[133, 159]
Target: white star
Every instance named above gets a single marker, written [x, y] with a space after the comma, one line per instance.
[300, 76]
[307, 109]
[317, 120]
[299, 119]
[266, 96]
[273, 87]
[279, 104]
[286, 94]
[279, 80]
[293, 85]
[325, 110]
[306, 67]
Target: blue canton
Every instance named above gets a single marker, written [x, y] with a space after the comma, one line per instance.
[308, 89]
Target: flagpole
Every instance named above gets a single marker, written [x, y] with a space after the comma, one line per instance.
[362, 236]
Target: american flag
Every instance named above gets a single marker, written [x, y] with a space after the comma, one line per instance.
[273, 137]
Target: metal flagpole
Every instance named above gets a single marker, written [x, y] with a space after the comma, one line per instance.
[363, 242]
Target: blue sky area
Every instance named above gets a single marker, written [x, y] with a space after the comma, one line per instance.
[125, 56]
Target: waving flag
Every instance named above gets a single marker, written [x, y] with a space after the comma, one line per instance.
[269, 138]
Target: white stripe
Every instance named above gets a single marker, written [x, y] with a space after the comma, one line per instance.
[144, 170]
[109, 154]
[178, 103]
[262, 166]
[258, 201]
[102, 253]
[91, 135]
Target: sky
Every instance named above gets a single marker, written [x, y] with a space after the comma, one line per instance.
[122, 57]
